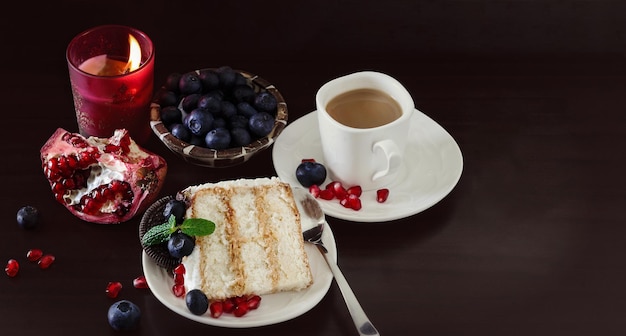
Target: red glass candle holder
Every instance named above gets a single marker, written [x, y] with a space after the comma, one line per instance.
[111, 90]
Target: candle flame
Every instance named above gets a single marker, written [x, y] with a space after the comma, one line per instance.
[134, 57]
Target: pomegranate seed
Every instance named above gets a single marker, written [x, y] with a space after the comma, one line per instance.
[179, 290]
[382, 195]
[179, 279]
[355, 190]
[240, 310]
[254, 302]
[34, 254]
[327, 194]
[308, 160]
[45, 261]
[338, 189]
[216, 308]
[228, 305]
[140, 282]
[180, 269]
[113, 289]
[12, 268]
[314, 190]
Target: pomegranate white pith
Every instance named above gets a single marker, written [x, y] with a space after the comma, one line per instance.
[102, 180]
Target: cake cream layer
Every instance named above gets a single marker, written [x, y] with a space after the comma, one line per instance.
[257, 246]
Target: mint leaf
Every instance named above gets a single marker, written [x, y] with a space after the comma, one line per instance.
[157, 234]
[197, 227]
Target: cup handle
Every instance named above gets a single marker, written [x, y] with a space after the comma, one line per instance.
[392, 157]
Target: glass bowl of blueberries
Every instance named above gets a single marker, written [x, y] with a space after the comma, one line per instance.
[217, 117]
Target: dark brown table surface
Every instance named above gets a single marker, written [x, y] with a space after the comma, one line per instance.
[531, 241]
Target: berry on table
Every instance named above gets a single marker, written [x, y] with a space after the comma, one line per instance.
[27, 217]
[124, 315]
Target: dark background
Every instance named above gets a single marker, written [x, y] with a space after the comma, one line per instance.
[530, 242]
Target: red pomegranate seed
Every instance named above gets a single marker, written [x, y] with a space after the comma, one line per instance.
[180, 269]
[382, 195]
[179, 279]
[113, 289]
[314, 190]
[12, 268]
[308, 160]
[140, 282]
[240, 310]
[338, 189]
[355, 190]
[326, 194]
[45, 261]
[229, 305]
[216, 308]
[34, 254]
[179, 290]
[254, 302]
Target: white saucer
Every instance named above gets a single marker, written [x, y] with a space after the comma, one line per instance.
[274, 308]
[432, 167]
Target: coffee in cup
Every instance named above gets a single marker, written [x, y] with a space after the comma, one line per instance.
[364, 120]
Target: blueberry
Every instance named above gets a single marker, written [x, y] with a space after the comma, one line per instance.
[166, 98]
[228, 109]
[244, 108]
[218, 138]
[227, 77]
[27, 217]
[199, 122]
[180, 131]
[238, 120]
[265, 101]
[190, 102]
[240, 136]
[219, 123]
[177, 208]
[171, 83]
[180, 245]
[243, 93]
[189, 83]
[309, 173]
[261, 124]
[124, 315]
[170, 115]
[210, 103]
[210, 80]
[197, 302]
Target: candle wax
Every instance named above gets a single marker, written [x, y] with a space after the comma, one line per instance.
[102, 65]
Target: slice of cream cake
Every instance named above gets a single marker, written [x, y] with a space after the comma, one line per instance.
[257, 247]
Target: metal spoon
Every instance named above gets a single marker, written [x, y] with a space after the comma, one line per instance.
[314, 236]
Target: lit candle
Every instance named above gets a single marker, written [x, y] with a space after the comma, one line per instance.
[112, 74]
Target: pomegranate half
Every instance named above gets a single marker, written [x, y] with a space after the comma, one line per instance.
[102, 180]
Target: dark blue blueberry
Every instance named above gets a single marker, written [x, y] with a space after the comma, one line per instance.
[242, 93]
[210, 103]
[261, 124]
[228, 109]
[265, 101]
[197, 302]
[210, 80]
[171, 83]
[177, 208]
[170, 115]
[199, 122]
[189, 83]
[309, 173]
[220, 123]
[218, 138]
[27, 217]
[227, 77]
[124, 315]
[238, 120]
[166, 98]
[240, 136]
[190, 102]
[245, 109]
[181, 132]
[180, 245]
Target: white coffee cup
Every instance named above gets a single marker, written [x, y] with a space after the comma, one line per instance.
[369, 157]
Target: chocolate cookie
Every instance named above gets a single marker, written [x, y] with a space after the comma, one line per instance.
[159, 252]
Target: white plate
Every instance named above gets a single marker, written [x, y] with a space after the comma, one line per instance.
[274, 308]
[432, 167]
